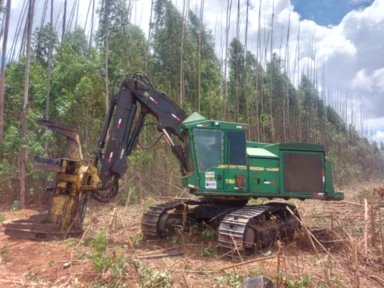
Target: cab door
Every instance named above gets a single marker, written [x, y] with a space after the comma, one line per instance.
[236, 160]
[209, 147]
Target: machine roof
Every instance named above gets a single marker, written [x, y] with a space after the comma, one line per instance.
[260, 152]
[195, 117]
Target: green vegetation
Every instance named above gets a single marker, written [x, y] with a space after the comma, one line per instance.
[152, 278]
[15, 205]
[231, 279]
[302, 282]
[71, 242]
[4, 252]
[137, 239]
[209, 234]
[207, 251]
[114, 263]
[101, 259]
[260, 94]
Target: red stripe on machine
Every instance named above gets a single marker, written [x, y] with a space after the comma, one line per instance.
[110, 157]
[177, 118]
[318, 193]
[323, 175]
[241, 127]
[153, 100]
[193, 187]
[202, 125]
[118, 124]
[269, 182]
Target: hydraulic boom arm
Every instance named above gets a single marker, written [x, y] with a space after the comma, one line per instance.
[124, 130]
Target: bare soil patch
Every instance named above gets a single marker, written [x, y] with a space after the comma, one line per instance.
[73, 262]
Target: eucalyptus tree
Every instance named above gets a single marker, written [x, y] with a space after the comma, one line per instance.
[2, 83]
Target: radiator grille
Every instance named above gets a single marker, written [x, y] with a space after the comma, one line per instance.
[303, 172]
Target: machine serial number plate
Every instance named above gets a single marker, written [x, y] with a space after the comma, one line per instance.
[210, 181]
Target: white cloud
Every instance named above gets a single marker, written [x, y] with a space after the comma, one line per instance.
[350, 53]
[359, 1]
[378, 75]
[378, 136]
[362, 80]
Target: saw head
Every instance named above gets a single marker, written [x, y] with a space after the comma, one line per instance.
[69, 191]
[73, 150]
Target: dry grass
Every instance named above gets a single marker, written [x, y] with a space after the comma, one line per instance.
[335, 259]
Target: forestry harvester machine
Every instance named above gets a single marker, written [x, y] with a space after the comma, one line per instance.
[217, 164]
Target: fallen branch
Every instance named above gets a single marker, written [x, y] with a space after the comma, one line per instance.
[162, 250]
[161, 255]
[321, 245]
[353, 203]
[377, 279]
[126, 232]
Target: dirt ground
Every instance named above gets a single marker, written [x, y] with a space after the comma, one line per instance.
[340, 260]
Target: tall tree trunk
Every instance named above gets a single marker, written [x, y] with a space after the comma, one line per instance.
[58, 16]
[2, 24]
[12, 50]
[71, 16]
[86, 130]
[286, 72]
[77, 13]
[23, 150]
[24, 38]
[91, 33]
[44, 13]
[258, 75]
[86, 18]
[64, 15]
[149, 38]
[245, 65]
[2, 83]
[199, 51]
[181, 96]
[49, 73]
[106, 56]
[271, 86]
[228, 24]
[237, 72]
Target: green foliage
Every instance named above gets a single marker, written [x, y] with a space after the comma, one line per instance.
[261, 95]
[70, 242]
[114, 264]
[15, 205]
[195, 228]
[207, 251]
[231, 279]
[41, 39]
[4, 252]
[2, 217]
[302, 282]
[102, 260]
[209, 234]
[116, 13]
[152, 278]
[175, 240]
[136, 239]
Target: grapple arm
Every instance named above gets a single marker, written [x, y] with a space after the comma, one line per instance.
[124, 130]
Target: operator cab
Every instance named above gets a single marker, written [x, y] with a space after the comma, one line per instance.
[213, 149]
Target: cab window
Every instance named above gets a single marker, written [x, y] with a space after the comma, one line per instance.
[209, 148]
[188, 153]
[237, 147]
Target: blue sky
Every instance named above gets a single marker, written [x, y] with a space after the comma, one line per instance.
[328, 12]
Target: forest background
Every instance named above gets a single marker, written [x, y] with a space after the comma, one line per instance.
[65, 74]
